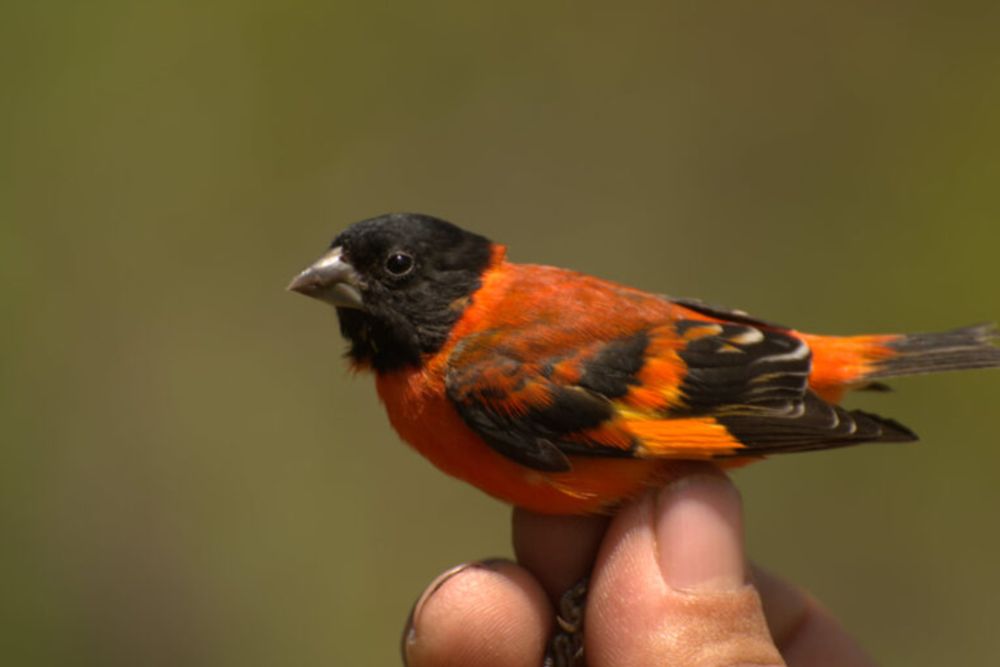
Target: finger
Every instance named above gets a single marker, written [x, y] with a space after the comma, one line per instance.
[805, 632]
[670, 583]
[487, 614]
[558, 550]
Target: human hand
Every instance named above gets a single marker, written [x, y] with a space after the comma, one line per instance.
[669, 585]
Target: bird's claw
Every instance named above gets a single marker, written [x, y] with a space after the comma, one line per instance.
[566, 646]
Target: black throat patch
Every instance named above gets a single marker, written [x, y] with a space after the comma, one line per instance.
[408, 316]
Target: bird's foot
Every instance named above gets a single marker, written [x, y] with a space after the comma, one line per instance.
[566, 646]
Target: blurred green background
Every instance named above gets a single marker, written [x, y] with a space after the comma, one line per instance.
[190, 475]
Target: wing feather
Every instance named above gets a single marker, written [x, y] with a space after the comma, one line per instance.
[698, 387]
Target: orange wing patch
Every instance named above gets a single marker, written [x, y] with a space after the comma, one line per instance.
[692, 437]
[658, 382]
[612, 434]
[694, 333]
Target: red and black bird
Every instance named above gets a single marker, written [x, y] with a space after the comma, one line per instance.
[563, 393]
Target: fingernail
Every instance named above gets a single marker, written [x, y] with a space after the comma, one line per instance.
[409, 630]
[699, 534]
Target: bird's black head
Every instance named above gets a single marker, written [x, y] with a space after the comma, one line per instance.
[399, 282]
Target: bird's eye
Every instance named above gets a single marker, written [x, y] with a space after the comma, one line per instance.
[399, 263]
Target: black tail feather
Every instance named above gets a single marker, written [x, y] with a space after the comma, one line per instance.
[958, 349]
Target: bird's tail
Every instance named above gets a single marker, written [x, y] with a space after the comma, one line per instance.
[955, 350]
[858, 362]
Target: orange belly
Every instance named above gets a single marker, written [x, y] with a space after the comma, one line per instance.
[424, 417]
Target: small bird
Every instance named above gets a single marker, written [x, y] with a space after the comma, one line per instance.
[563, 393]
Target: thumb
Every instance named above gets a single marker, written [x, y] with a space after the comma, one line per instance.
[670, 584]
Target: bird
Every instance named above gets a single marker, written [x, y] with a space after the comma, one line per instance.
[564, 393]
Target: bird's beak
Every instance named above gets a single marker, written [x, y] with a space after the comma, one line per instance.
[332, 279]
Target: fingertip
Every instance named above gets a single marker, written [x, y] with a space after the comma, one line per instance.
[785, 605]
[699, 533]
[804, 631]
[409, 628]
[486, 614]
[821, 641]
[558, 550]
[670, 581]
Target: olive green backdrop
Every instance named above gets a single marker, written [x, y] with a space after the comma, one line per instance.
[191, 477]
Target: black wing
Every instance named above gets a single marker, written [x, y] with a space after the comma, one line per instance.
[754, 380]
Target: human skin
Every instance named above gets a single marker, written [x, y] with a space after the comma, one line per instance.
[669, 585]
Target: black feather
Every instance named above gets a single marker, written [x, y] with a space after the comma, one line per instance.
[741, 364]
[958, 349]
[723, 313]
[611, 372]
[536, 438]
[809, 425]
